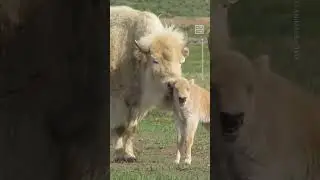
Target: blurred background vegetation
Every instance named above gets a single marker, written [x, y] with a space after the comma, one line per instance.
[183, 13]
[189, 8]
[269, 27]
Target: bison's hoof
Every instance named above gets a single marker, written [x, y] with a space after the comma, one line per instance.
[125, 158]
[130, 159]
[177, 161]
[119, 160]
[187, 161]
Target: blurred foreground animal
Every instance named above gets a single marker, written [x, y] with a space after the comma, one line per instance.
[222, 153]
[53, 89]
[280, 135]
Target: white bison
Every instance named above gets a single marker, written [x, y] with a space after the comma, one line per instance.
[144, 56]
[280, 135]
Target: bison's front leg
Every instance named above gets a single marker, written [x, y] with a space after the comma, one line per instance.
[136, 114]
[119, 114]
[118, 144]
[124, 143]
[128, 144]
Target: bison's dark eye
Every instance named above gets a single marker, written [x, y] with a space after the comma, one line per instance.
[170, 87]
[154, 60]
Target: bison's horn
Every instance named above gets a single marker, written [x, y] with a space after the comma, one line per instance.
[141, 48]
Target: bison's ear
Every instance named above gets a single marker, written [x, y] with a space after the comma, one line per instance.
[185, 52]
[191, 81]
[141, 47]
[262, 62]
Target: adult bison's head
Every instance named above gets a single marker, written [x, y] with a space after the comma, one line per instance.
[165, 51]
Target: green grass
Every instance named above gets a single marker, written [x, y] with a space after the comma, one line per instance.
[155, 142]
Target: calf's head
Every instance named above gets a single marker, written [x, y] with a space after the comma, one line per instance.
[182, 90]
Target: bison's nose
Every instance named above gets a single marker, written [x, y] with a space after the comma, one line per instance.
[231, 123]
[182, 100]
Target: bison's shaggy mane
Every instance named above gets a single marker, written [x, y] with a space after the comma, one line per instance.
[168, 30]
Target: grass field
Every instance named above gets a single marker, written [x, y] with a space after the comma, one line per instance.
[155, 143]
